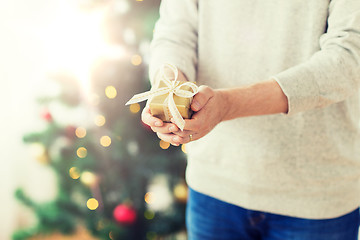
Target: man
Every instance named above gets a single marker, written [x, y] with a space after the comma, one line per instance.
[274, 148]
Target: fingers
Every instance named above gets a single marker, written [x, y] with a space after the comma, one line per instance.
[192, 125]
[201, 98]
[183, 134]
[175, 139]
[149, 119]
[170, 138]
[156, 124]
[169, 132]
[166, 128]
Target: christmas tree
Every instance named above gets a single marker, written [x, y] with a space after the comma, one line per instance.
[115, 177]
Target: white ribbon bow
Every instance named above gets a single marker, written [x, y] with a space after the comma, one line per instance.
[173, 86]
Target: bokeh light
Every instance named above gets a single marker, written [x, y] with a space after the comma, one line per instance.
[100, 120]
[88, 178]
[135, 108]
[183, 148]
[110, 92]
[136, 60]
[81, 152]
[180, 192]
[164, 145]
[80, 132]
[92, 204]
[74, 173]
[105, 141]
[149, 197]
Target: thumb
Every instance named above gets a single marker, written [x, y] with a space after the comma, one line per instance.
[201, 98]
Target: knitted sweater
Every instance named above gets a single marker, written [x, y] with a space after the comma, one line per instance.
[305, 163]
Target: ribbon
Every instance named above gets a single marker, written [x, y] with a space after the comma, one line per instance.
[173, 86]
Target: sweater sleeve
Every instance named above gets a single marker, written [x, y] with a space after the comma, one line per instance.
[175, 37]
[333, 73]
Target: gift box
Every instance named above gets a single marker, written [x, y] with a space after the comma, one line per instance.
[169, 98]
[159, 107]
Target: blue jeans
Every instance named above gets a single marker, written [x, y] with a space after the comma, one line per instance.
[208, 218]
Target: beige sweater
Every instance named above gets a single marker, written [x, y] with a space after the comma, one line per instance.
[305, 163]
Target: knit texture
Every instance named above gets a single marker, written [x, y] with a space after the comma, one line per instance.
[305, 163]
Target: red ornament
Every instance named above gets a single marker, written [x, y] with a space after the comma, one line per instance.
[124, 214]
[47, 116]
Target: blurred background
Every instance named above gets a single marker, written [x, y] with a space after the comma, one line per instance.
[76, 163]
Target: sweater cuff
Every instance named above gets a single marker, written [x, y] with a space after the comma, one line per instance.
[300, 89]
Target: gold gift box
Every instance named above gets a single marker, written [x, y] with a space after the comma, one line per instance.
[182, 104]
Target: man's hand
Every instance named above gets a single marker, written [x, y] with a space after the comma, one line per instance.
[158, 126]
[209, 107]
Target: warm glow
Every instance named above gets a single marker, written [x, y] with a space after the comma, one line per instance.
[164, 145]
[100, 120]
[135, 108]
[183, 148]
[80, 132]
[180, 191]
[81, 152]
[92, 204]
[149, 197]
[75, 39]
[74, 173]
[136, 60]
[105, 141]
[110, 92]
[88, 178]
